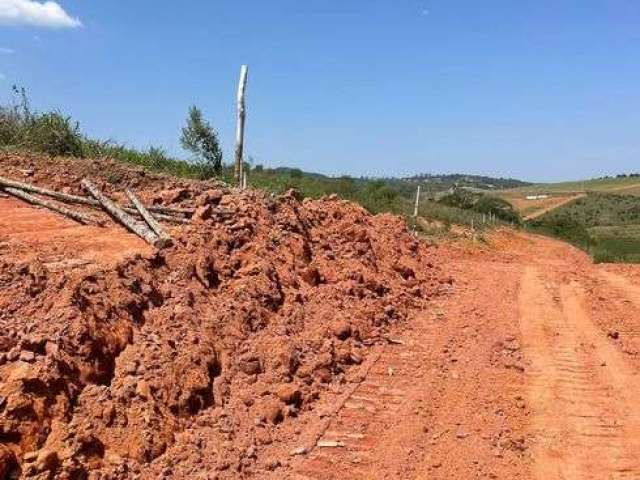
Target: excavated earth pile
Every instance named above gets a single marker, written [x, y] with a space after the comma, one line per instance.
[209, 359]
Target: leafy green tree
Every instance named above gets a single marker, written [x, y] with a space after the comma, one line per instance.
[201, 139]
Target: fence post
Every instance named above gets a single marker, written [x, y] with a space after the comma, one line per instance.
[242, 86]
[415, 208]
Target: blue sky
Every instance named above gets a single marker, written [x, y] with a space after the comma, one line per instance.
[539, 90]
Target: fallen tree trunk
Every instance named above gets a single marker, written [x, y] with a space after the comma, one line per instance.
[64, 197]
[167, 210]
[144, 213]
[158, 216]
[123, 217]
[77, 216]
[165, 213]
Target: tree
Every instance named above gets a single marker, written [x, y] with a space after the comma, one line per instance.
[202, 140]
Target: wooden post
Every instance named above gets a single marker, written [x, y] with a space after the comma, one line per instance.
[144, 213]
[244, 179]
[415, 208]
[77, 216]
[242, 86]
[116, 212]
[64, 197]
[169, 212]
[166, 210]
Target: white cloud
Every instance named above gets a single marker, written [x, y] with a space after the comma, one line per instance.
[7, 51]
[40, 14]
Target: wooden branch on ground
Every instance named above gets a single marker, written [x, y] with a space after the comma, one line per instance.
[165, 213]
[166, 210]
[159, 216]
[123, 217]
[144, 213]
[77, 216]
[64, 197]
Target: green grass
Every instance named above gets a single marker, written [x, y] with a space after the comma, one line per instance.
[623, 185]
[605, 225]
[452, 215]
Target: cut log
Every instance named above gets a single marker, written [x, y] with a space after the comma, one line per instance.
[167, 210]
[159, 216]
[77, 216]
[123, 217]
[68, 198]
[64, 197]
[144, 213]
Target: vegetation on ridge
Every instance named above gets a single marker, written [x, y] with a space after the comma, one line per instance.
[604, 224]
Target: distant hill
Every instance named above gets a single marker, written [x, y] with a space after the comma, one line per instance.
[605, 224]
[539, 198]
[437, 183]
[622, 185]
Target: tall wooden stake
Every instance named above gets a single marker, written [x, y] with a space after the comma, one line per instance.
[415, 208]
[242, 86]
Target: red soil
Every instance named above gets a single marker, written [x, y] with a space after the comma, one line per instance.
[295, 339]
[213, 355]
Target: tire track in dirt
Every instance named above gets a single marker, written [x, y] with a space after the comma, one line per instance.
[446, 403]
[582, 393]
[623, 285]
[389, 392]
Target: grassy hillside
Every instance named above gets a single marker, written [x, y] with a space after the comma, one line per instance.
[622, 185]
[606, 225]
[438, 183]
[564, 192]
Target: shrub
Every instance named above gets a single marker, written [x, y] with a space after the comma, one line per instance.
[481, 203]
[201, 139]
[53, 134]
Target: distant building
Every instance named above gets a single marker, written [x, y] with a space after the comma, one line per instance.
[537, 197]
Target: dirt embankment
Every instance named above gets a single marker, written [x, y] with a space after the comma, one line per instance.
[211, 356]
[288, 338]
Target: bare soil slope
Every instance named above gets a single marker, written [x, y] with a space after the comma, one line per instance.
[282, 338]
[212, 356]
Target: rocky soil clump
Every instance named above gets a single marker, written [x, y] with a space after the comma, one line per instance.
[208, 359]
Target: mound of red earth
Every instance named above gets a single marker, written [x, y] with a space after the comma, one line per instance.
[205, 360]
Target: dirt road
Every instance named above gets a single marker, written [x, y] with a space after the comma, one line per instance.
[551, 204]
[533, 374]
